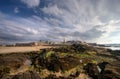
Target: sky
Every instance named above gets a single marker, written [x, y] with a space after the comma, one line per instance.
[55, 20]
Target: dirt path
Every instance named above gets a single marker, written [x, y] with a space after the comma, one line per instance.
[4, 50]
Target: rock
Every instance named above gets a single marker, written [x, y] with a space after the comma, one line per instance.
[24, 75]
[102, 66]
[83, 76]
[55, 63]
[107, 74]
[92, 70]
[27, 75]
[111, 71]
[67, 62]
[108, 70]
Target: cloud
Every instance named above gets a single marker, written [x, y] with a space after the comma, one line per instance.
[52, 10]
[86, 20]
[17, 29]
[77, 16]
[16, 10]
[31, 3]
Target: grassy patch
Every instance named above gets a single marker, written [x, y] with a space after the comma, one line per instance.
[48, 54]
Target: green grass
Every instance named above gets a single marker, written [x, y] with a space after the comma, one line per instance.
[48, 54]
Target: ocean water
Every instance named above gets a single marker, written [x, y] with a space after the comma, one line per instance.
[113, 48]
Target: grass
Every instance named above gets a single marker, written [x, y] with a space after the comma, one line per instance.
[48, 54]
[91, 53]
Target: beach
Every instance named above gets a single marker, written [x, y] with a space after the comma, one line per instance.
[4, 50]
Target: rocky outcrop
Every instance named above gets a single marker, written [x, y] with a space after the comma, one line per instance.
[55, 63]
[107, 70]
[67, 62]
[25, 75]
[92, 70]
[13, 64]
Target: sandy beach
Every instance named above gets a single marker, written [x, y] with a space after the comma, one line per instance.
[4, 50]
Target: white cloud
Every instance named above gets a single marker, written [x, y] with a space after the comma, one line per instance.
[86, 20]
[52, 10]
[31, 3]
[18, 29]
[16, 10]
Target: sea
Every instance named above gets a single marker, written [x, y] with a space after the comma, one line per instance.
[112, 46]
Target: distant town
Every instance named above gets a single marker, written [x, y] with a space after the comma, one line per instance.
[51, 43]
[40, 43]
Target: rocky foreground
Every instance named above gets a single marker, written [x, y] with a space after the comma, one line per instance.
[67, 62]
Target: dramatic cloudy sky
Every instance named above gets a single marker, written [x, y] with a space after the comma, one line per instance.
[86, 20]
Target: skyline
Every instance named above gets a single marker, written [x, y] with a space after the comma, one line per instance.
[55, 20]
